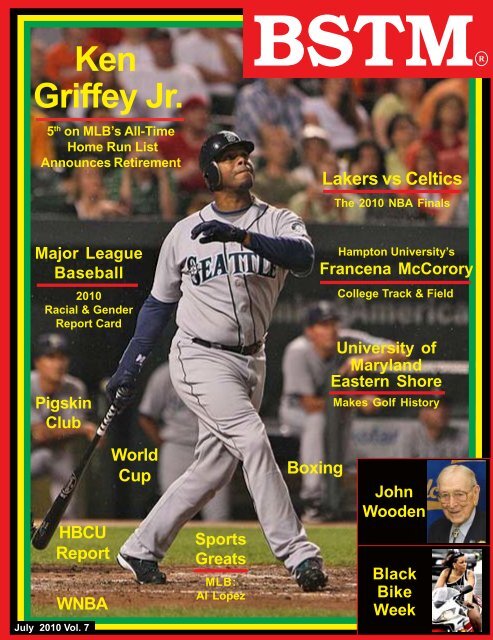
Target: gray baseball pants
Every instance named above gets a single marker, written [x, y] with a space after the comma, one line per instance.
[174, 460]
[224, 390]
[310, 428]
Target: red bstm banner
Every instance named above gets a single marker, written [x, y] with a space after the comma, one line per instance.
[366, 39]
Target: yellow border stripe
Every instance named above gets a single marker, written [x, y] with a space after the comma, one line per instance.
[478, 266]
[215, 627]
[149, 18]
[21, 309]
[20, 327]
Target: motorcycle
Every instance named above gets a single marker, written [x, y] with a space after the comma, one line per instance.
[448, 611]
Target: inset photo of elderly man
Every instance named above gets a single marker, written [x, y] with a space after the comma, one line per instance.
[457, 500]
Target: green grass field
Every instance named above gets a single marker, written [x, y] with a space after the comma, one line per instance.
[271, 595]
[338, 545]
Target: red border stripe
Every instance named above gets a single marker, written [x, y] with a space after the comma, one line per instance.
[221, 570]
[371, 392]
[398, 282]
[87, 285]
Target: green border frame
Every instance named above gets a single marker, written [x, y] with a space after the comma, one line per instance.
[27, 318]
[472, 260]
[272, 622]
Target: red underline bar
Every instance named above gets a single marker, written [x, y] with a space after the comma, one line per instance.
[396, 191]
[371, 392]
[221, 570]
[397, 282]
[87, 285]
[110, 119]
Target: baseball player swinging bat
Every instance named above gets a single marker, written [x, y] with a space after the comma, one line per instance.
[223, 280]
[41, 536]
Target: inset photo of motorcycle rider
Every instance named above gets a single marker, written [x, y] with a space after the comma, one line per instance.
[457, 590]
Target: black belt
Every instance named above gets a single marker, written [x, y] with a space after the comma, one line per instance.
[244, 351]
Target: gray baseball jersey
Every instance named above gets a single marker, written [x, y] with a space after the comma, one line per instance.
[305, 373]
[70, 388]
[323, 435]
[228, 294]
[415, 442]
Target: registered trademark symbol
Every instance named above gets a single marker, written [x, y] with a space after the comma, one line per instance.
[481, 58]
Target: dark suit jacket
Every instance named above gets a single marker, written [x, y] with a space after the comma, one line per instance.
[439, 531]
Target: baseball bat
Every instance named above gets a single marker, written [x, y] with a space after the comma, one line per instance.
[41, 536]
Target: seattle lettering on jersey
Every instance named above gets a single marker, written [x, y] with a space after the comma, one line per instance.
[234, 263]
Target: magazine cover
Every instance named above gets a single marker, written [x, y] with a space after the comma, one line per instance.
[250, 265]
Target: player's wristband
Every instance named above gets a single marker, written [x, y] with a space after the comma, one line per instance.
[153, 317]
[294, 254]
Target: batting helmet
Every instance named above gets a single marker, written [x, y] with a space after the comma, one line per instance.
[321, 311]
[211, 151]
[48, 344]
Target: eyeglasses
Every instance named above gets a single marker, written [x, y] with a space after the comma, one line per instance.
[458, 496]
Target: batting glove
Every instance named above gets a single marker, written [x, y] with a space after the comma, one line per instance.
[121, 388]
[216, 231]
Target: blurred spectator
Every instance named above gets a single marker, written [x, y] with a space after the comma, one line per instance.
[99, 133]
[133, 41]
[456, 161]
[266, 103]
[147, 190]
[109, 37]
[458, 86]
[42, 146]
[448, 123]
[165, 73]
[313, 205]
[368, 160]
[38, 52]
[186, 144]
[217, 54]
[48, 192]
[369, 90]
[199, 201]
[447, 132]
[433, 436]
[308, 365]
[437, 206]
[61, 58]
[405, 98]
[453, 161]
[172, 427]
[273, 182]
[50, 446]
[91, 201]
[401, 132]
[338, 112]
[308, 86]
[460, 212]
[47, 36]
[314, 147]
[38, 63]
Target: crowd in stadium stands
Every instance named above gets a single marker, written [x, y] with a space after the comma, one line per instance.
[307, 133]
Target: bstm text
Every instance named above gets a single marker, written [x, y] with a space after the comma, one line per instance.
[430, 45]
